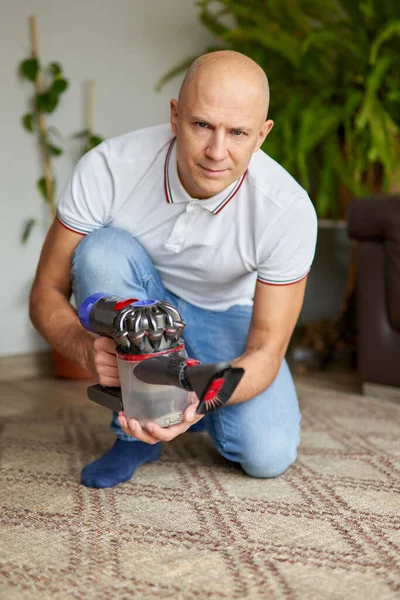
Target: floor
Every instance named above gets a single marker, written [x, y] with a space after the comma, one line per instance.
[335, 377]
[192, 525]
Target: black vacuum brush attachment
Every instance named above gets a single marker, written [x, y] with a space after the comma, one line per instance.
[213, 383]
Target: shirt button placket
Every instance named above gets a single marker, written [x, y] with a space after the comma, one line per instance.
[180, 230]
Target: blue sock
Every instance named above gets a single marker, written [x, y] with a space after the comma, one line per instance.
[119, 463]
[199, 426]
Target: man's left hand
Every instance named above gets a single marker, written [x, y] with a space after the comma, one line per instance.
[152, 433]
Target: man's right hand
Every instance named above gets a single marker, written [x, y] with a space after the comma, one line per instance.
[102, 361]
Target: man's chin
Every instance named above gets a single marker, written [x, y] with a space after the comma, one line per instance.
[208, 188]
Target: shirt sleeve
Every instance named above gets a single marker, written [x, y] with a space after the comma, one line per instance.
[86, 201]
[287, 248]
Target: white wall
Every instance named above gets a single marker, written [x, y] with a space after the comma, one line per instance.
[125, 46]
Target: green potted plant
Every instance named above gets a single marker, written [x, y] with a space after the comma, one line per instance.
[334, 71]
[49, 86]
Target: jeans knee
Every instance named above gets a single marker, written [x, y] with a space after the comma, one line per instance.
[271, 461]
[110, 260]
[102, 248]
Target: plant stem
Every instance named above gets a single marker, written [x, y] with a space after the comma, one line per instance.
[48, 178]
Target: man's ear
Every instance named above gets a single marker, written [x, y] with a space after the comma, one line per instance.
[266, 128]
[174, 115]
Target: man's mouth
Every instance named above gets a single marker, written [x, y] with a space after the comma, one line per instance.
[213, 172]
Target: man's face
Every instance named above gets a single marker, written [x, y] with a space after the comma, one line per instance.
[218, 127]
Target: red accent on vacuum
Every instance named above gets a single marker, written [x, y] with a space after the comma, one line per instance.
[140, 357]
[124, 303]
[214, 389]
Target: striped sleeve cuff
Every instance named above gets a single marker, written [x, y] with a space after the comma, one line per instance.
[283, 281]
[72, 227]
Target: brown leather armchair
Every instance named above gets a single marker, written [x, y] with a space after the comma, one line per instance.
[374, 223]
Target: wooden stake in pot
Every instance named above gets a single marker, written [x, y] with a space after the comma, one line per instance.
[48, 178]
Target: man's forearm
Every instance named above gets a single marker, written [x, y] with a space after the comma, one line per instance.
[261, 367]
[56, 320]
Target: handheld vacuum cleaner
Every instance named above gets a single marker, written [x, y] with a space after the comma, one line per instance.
[155, 373]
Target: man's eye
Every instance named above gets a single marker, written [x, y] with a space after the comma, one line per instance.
[237, 132]
[201, 124]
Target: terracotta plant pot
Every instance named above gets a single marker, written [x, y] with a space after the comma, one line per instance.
[63, 367]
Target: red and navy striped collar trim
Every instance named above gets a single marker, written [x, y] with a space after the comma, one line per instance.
[220, 205]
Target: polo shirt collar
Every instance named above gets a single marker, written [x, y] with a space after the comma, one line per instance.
[175, 193]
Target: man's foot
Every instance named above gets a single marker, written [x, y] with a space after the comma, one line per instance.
[119, 463]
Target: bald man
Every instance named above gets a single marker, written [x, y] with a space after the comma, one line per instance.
[193, 213]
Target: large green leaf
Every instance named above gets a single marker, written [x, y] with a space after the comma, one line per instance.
[324, 39]
[374, 82]
[317, 122]
[328, 183]
[351, 106]
[383, 139]
[391, 30]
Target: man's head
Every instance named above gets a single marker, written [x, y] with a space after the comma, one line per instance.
[219, 121]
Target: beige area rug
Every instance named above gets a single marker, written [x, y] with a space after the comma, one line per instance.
[192, 526]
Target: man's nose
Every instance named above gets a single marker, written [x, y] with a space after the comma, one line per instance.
[216, 148]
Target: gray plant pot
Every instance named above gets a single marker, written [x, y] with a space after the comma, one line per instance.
[327, 280]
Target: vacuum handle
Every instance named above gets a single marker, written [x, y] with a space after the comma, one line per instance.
[213, 383]
[110, 397]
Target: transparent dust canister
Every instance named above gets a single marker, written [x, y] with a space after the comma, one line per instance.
[160, 404]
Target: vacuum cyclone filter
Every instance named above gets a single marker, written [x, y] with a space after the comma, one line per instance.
[137, 326]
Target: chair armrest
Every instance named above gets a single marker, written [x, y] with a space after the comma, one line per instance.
[377, 219]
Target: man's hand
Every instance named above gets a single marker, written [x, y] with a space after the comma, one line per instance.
[102, 361]
[152, 433]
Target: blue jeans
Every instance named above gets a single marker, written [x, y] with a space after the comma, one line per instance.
[261, 434]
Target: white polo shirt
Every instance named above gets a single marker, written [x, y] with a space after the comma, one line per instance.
[208, 252]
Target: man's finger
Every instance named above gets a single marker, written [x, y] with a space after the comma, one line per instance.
[166, 434]
[190, 414]
[106, 344]
[132, 427]
[107, 370]
[109, 381]
[102, 358]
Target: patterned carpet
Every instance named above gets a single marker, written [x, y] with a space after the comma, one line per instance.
[192, 526]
